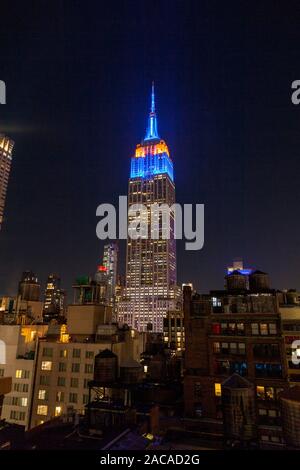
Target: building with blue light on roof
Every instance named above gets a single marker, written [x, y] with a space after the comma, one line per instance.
[151, 264]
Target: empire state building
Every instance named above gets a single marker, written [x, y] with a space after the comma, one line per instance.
[150, 263]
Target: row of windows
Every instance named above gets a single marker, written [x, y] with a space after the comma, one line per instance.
[17, 415]
[73, 398]
[21, 387]
[22, 374]
[17, 401]
[76, 353]
[237, 328]
[268, 393]
[260, 350]
[62, 367]
[262, 393]
[225, 367]
[229, 348]
[61, 381]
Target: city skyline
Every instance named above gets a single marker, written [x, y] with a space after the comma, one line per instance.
[230, 132]
[149, 230]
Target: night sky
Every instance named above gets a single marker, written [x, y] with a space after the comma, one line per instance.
[78, 77]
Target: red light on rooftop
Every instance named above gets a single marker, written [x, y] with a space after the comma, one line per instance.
[101, 268]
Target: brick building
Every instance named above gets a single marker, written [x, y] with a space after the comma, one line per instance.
[229, 332]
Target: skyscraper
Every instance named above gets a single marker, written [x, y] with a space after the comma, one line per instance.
[151, 263]
[110, 261]
[54, 298]
[6, 148]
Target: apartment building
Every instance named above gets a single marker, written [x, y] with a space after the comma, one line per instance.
[65, 363]
[234, 332]
[19, 346]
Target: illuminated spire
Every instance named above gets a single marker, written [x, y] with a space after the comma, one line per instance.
[152, 120]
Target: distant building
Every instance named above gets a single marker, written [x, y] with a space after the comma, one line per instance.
[29, 286]
[174, 330]
[110, 262]
[6, 148]
[238, 265]
[54, 299]
[238, 268]
[15, 311]
[90, 291]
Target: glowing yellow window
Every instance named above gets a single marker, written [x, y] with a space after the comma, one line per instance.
[18, 374]
[218, 390]
[42, 410]
[46, 365]
[260, 392]
[58, 410]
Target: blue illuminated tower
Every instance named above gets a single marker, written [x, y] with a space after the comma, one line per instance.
[151, 264]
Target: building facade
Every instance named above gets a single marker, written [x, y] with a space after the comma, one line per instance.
[151, 259]
[19, 364]
[234, 334]
[6, 148]
[54, 298]
[110, 262]
[65, 358]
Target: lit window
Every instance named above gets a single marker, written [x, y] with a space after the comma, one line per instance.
[218, 390]
[264, 329]
[42, 410]
[260, 392]
[46, 365]
[145, 369]
[272, 328]
[216, 348]
[270, 393]
[42, 395]
[63, 353]
[18, 374]
[254, 328]
[24, 401]
[58, 410]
